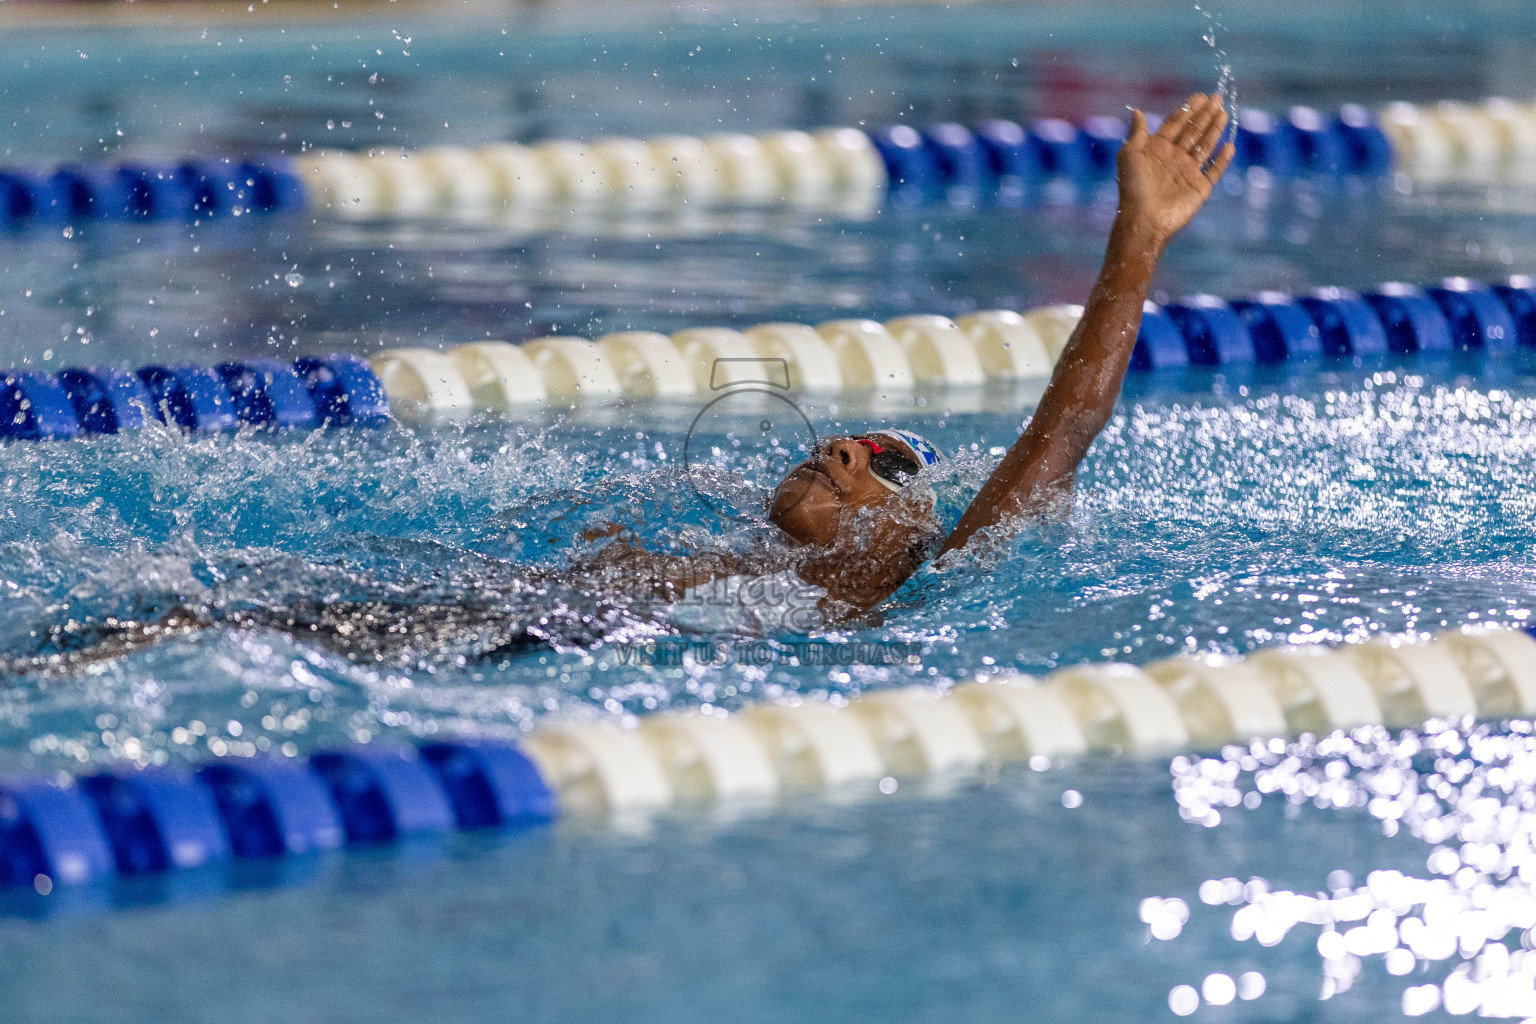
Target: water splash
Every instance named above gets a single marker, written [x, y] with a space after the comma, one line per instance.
[1226, 80]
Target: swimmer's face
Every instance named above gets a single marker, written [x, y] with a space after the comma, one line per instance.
[824, 491]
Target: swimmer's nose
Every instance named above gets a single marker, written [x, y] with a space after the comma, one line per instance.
[844, 459]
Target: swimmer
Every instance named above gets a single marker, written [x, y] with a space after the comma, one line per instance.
[866, 537]
[852, 528]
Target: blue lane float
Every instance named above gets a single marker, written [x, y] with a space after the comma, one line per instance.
[1367, 147]
[1282, 331]
[1060, 150]
[161, 820]
[268, 393]
[384, 794]
[158, 819]
[490, 785]
[958, 157]
[1413, 321]
[1102, 138]
[1160, 345]
[1317, 141]
[52, 832]
[344, 390]
[313, 391]
[1479, 319]
[1519, 295]
[1395, 318]
[272, 808]
[909, 162]
[136, 191]
[107, 400]
[1213, 332]
[191, 397]
[34, 406]
[1347, 323]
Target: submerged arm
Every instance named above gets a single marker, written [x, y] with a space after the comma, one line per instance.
[1164, 179]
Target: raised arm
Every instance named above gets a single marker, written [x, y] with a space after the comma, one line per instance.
[1164, 179]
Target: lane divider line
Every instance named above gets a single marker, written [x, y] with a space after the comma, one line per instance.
[893, 359]
[130, 822]
[839, 168]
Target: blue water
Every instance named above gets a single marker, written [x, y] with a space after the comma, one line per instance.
[1218, 512]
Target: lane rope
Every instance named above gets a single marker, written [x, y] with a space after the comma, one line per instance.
[890, 361]
[847, 169]
[129, 822]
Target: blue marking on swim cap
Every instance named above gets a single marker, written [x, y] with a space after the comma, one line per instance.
[926, 453]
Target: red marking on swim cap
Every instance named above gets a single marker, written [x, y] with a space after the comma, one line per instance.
[871, 445]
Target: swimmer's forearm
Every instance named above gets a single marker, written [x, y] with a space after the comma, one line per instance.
[1083, 389]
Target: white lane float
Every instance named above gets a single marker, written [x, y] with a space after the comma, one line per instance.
[800, 167]
[718, 358]
[711, 759]
[422, 384]
[599, 768]
[917, 733]
[465, 185]
[1008, 346]
[857, 168]
[938, 350]
[811, 361]
[1500, 665]
[343, 184]
[1221, 701]
[635, 177]
[1054, 325]
[1419, 142]
[1413, 681]
[407, 187]
[1319, 690]
[647, 365]
[868, 357]
[747, 175]
[816, 746]
[499, 376]
[1476, 146]
[1119, 706]
[520, 178]
[1173, 705]
[573, 369]
[575, 172]
[1515, 126]
[688, 166]
[1017, 718]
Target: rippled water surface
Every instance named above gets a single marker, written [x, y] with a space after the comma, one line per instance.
[1213, 515]
[1217, 513]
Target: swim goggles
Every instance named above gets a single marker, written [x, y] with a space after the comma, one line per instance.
[893, 467]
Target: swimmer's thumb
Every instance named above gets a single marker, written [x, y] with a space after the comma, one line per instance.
[1139, 133]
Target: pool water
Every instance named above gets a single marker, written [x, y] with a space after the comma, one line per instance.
[1219, 512]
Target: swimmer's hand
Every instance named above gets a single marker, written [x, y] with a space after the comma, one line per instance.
[1165, 178]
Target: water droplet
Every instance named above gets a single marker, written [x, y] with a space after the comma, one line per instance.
[294, 278]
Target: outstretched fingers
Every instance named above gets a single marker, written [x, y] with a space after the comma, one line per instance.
[1194, 131]
[1210, 139]
[1219, 165]
[1177, 121]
